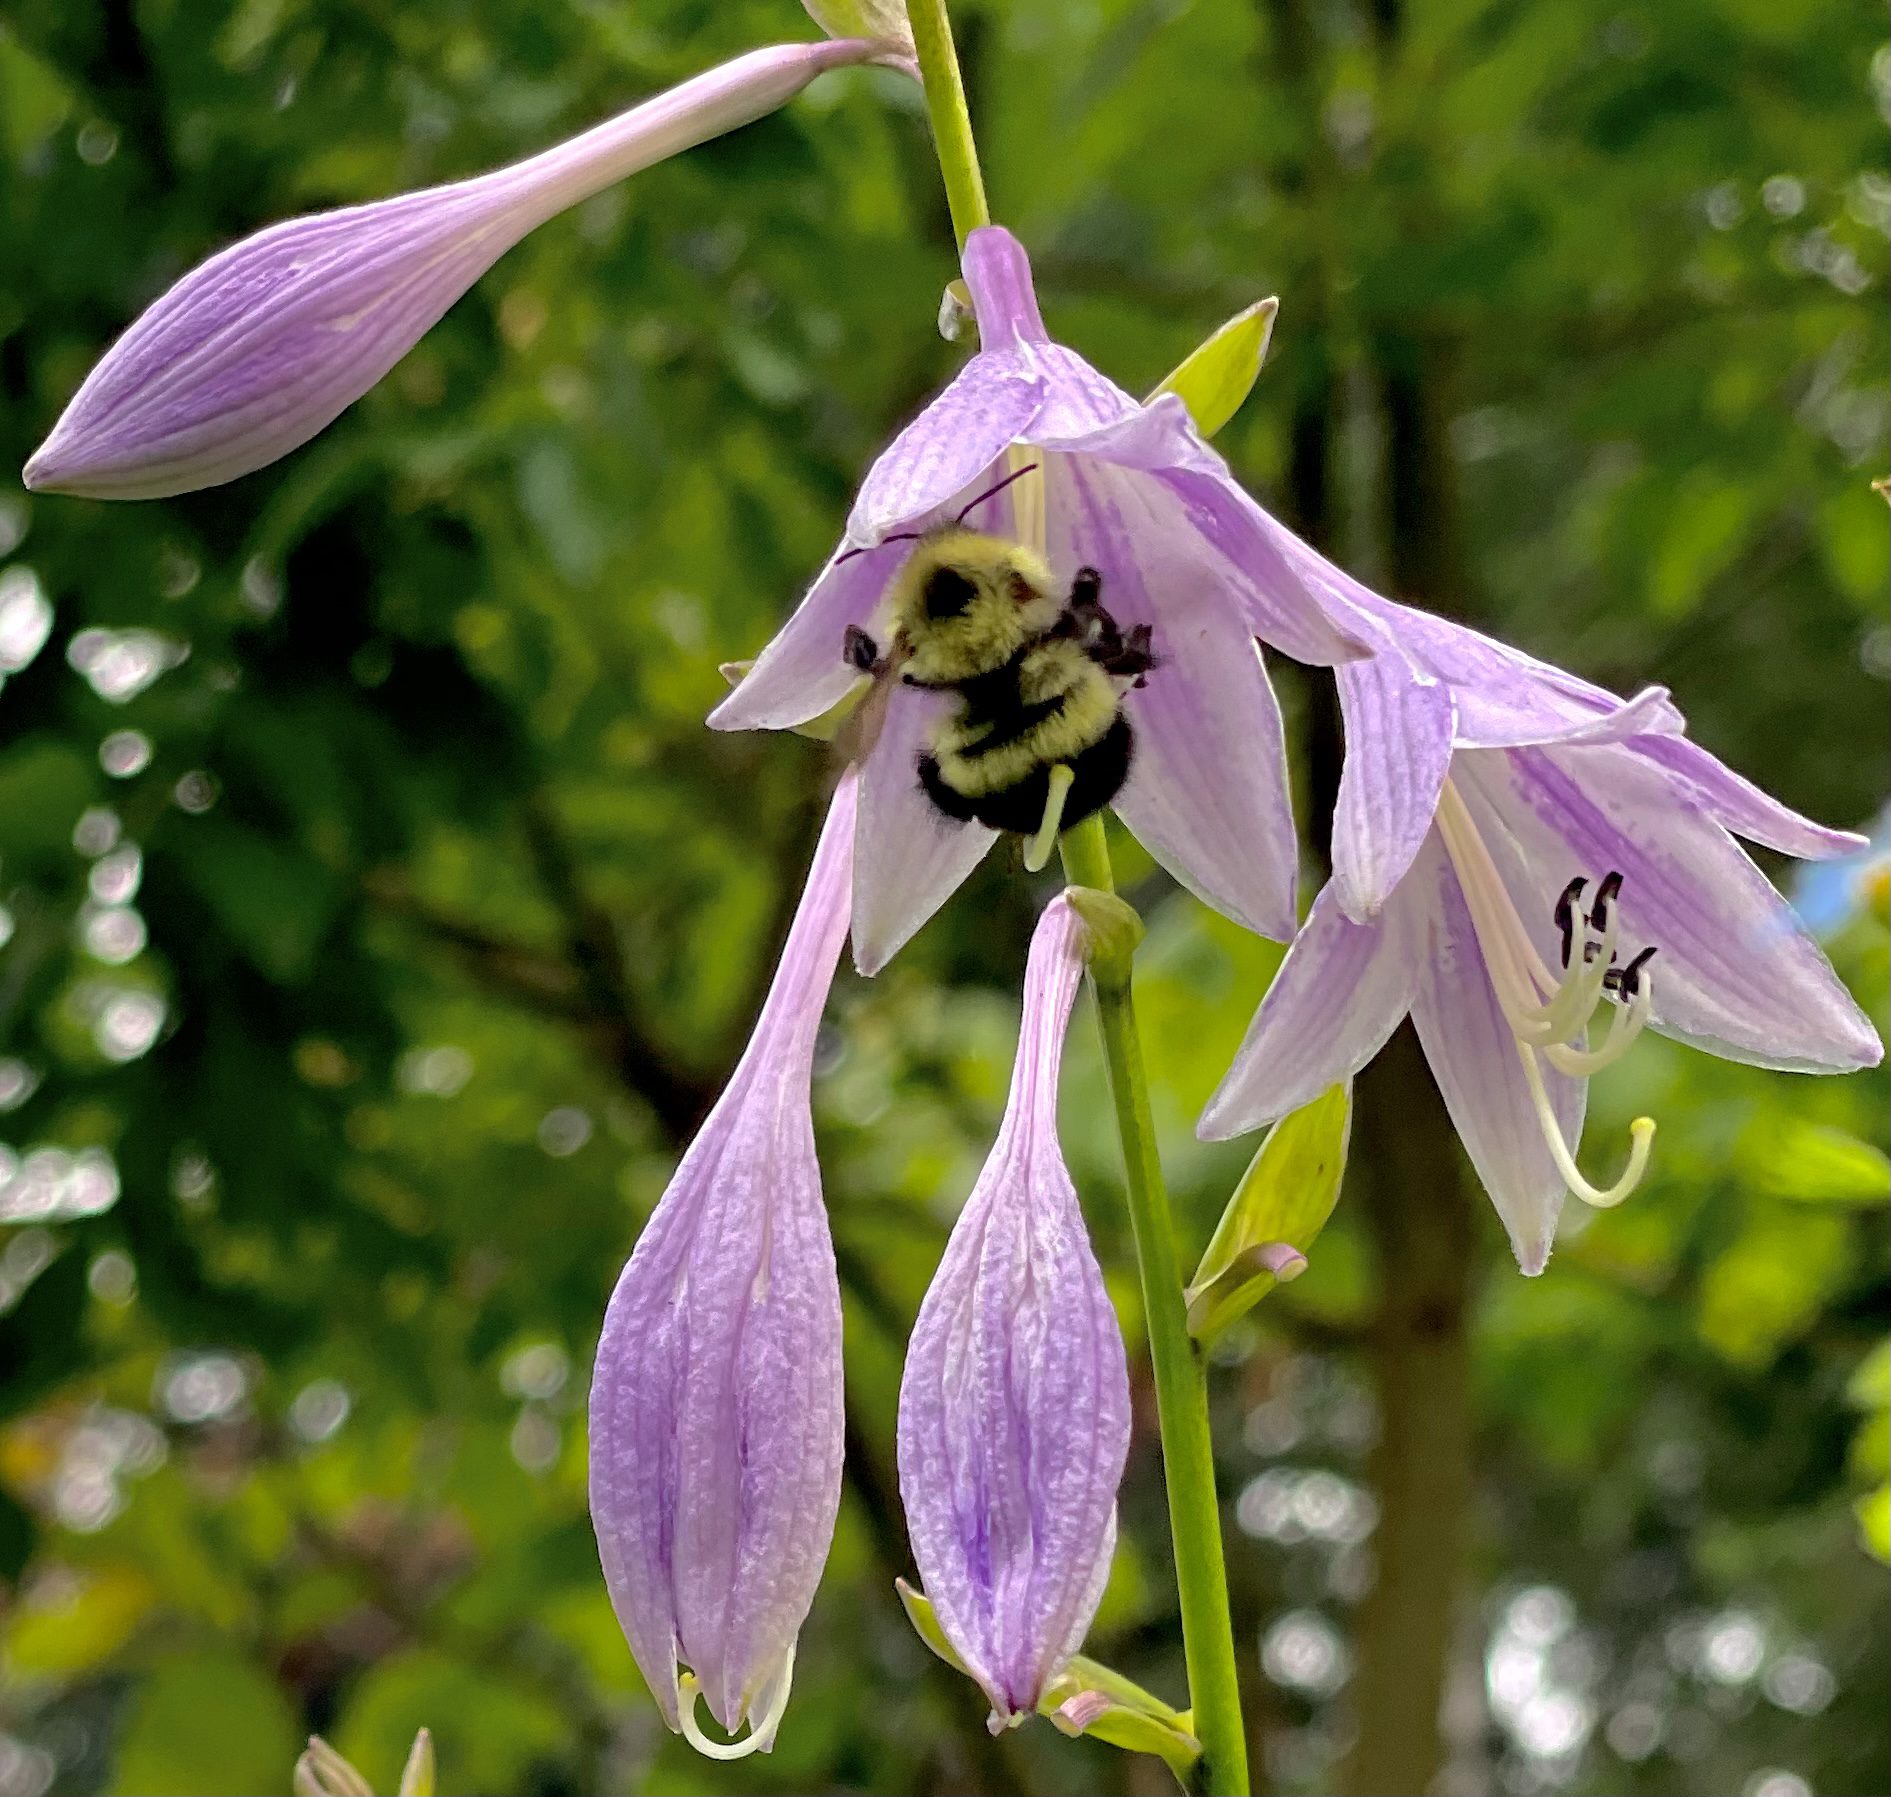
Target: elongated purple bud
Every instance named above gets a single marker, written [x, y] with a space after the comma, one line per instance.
[716, 1399]
[256, 350]
[1014, 1407]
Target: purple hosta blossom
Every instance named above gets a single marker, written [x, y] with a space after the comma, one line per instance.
[256, 350]
[716, 1401]
[1132, 491]
[1014, 1407]
[1515, 851]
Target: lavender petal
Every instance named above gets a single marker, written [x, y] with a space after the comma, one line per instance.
[1735, 972]
[1400, 726]
[1474, 1059]
[911, 857]
[804, 669]
[1207, 792]
[1342, 990]
[1743, 808]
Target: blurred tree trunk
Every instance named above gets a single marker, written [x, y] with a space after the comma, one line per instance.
[1422, 1220]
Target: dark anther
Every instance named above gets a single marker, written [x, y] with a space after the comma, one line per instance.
[1626, 981]
[1605, 897]
[860, 649]
[1565, 915]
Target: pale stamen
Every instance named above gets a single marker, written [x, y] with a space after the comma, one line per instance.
[1628, 1023]
[1540, 1008]
[1548, 1014]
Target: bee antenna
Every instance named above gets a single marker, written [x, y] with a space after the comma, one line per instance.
[913, 536]
[899, 536]
[993, 492]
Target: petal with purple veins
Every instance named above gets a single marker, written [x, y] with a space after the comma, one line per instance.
[1342, 990]
[1234, 536]
[1734, 972]
[1503, 695]
[1400, 725]
[1014, 1404]
[1743, 808]
[911, 858]
[990, 404]
[1207, 792]
[1474, 1058]
[1004, 298]
[804, 669]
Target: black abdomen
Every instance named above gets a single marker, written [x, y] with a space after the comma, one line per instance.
[1098, 775]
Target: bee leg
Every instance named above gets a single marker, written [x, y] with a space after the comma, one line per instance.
[1129, 657]
[860, 650]
[953, 804]
[1086, 590]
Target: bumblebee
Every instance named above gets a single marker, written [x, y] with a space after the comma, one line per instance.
[1038, 740]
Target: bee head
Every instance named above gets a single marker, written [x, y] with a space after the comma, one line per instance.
[966, 602]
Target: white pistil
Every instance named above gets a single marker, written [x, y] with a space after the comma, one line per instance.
[1548, 1014]
[1641, 1143]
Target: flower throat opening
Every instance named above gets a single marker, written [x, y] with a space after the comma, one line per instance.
[1549, 1013]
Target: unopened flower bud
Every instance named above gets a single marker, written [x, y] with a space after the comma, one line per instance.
[716, 1401]
[1014, 1408]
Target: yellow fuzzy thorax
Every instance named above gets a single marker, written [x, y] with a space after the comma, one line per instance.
[1014, 601]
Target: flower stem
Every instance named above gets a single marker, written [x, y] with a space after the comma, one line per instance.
[1188, 1460]
[951, 122]
[1188, 1456]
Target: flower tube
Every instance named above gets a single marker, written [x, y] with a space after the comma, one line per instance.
[1516, 854]
[716, 1399]
[268, 342]
[1014, 1407]
[1125, 503]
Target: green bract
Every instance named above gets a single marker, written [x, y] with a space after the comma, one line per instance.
[1219, 373]
[1280, 1206]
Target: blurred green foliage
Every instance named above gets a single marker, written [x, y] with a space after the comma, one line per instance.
[379, 917]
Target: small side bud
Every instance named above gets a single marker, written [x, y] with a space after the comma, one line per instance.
[322, 1772]
[955, 311]
[884, 20]
[417, 1776]
[1086, 1698]
[1218, 374]
[1113, 930]
[1279, 1208]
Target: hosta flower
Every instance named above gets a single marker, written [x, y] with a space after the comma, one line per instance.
[716, 1400]
[1516, 853]
[253, 352]
[1130, 491]
[1014, 1407]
